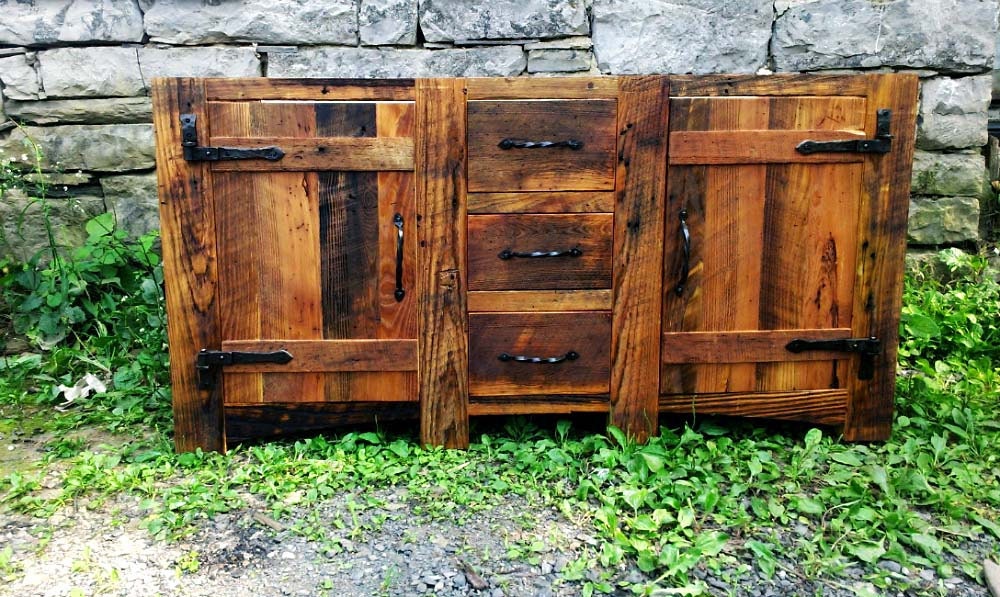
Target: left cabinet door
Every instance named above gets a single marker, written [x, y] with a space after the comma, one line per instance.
[311, 251]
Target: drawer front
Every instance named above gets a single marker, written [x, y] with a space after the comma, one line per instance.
[498, 163]
[499, 247]
[580, 341]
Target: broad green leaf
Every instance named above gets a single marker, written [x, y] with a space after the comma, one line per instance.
[808, 505]
[867, 551]
[848, 458]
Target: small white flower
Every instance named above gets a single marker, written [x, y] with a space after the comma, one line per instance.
[24, 157]
[65, 188]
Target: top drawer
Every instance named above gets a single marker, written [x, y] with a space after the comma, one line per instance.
[582, 157]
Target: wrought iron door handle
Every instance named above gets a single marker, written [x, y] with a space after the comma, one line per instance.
[686, 250]
[509, 254]
[569, 356]
[397, 221]
[526, 144]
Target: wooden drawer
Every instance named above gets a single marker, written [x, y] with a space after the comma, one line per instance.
[496, 166]
[584, 241]
[547, 335]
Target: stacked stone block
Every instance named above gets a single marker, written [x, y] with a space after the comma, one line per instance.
[76, 74]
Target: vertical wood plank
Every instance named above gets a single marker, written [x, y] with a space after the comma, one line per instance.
[442, 318]
[882, 245]
[640, 186]
[187, 220]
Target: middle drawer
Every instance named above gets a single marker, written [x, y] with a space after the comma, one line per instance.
[540, 251]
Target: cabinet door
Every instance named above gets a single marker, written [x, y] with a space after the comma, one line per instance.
[767, 244]
[316, 251]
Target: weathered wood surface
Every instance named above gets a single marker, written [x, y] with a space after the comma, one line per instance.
[542, 88]
[322, 154]
[315, 356]
[783, 84]
[822, 407]
[540, 300]
[542, 202]
[538, 405]
[525, 233]
[763, 346]
[755, 147]
[590, 168]
[442, 319]
[309, 89]
[643, 117]
[881, 238]
[546, 335]
[190, 265]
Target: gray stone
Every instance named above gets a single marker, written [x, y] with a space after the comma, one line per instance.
[198, 62]
[991, 571]
[948, 174]
[947, 35]
[101, 148]
[387, 22]
[20, 81]
[263, 21]
[954, 112]
[386, 63]
[90, 72]
[60, 180]
[681, 36]
[577, 42]
[60, 21]
[133, 200]
[558, 61]
[938, 221]
[111, 110]
[22, 220]
[450, 20]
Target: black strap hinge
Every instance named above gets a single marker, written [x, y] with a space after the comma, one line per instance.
[196, 153]
[868, 348]
[882, 142]
[209, 362]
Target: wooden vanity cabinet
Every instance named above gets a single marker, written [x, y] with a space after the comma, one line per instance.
[343, 251]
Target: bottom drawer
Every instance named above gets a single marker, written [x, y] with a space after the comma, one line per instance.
[539, 353]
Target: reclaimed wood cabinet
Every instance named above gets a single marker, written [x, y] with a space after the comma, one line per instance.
[343, 251]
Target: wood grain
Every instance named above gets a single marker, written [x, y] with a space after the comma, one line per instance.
[771, 85]
[590, 168]
[546, 335]
[640, 183]
[281, 420]
[882, 241]
[309, 89]
[763, 346]
[315, 356]
[520, 88]
[441, 232]
[755, 147]
[538, 405]
[542, 202]
[524, 233]
[822, 407]
[540, 300]
[322, 153]
[187, 224]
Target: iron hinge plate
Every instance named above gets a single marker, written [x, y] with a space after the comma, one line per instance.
[209, 362]
[198, 153]
[868, 348]
[882, 143]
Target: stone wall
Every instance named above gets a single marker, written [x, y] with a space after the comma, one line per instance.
[75, 73]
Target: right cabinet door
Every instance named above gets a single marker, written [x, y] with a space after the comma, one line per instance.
[767, 242]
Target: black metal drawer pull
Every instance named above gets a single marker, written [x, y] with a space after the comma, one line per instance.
[508, 254]
[526, 144]
[882, 143]
[569, 356]
[397, 221]
[686, 251]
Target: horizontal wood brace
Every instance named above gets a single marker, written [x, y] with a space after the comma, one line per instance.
[310, 89]
[537, 405]
[767, 346]
[542, 202]
[540, 300]
[784, 84]
[825, 407]
[755, 147]
[542, 88]
[318, 356]
[323, 153]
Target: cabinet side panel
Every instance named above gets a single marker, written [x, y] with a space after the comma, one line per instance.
[187, 220]
[882, 245]
[442, 319]
[640, 186]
